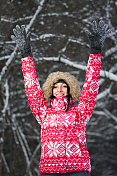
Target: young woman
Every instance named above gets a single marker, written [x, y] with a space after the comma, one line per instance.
[63, 124]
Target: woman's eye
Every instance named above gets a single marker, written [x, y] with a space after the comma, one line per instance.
[65, 86]
[54, 87]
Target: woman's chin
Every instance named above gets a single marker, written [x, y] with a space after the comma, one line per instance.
[59, 96]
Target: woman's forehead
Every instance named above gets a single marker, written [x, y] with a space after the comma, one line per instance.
[60, 83]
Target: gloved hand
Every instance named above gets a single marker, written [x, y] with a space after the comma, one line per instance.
[22, 40]
[97, 37]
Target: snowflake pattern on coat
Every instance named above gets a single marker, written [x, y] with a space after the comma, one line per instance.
[72, 148]
[63, 125]
[53, 149]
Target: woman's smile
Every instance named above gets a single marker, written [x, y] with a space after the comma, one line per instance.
[60, 90]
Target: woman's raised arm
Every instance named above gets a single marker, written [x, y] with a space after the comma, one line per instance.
[33, 91]
[91, 85]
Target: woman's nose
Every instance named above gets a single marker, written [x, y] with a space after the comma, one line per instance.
[59, 88]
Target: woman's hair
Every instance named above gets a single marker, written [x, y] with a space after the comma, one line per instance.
[68, 88]
[69, 79]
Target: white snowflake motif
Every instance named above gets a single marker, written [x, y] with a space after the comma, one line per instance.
[43, 111]
[29, 79]
[94, 86]
[53, 121]
[68, 120]
[68, 149]
[45, 124]
[53, 149]
[82, 137]
[42, 152]
[38, 119]
[72, 148]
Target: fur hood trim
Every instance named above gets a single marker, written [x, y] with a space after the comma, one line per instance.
[54, 77]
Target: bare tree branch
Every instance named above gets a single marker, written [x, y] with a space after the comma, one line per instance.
[104, 93]
[110, 115]
[5, 163]
[104, 74]
[12, 57]
[32, 158]
[3, 119]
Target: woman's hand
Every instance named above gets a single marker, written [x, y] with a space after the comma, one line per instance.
[98, 36]
[22, 40]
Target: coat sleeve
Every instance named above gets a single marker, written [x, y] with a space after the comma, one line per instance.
[90, 89]
[33, 91]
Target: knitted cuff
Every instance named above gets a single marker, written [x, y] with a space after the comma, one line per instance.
[95, 50]
[26, 53]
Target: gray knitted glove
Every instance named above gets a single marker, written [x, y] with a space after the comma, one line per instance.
[98, 36]
[22, 40]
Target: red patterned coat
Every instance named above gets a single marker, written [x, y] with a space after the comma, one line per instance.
[63, 129]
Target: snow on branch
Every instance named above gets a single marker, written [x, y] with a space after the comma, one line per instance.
[114, 96]
[12, 56]
[7, 64]
[111, 51]
[104, 93]
[104, 74]
[58, 14]
[25, 142]
[23, 147]
[95, 134]
[110, 115]
[4, 58]
[108, 75]
[35, 15]
[10, 20]
[5, 163]
[6, 101]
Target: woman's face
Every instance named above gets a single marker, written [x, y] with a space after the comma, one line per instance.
[60, 90]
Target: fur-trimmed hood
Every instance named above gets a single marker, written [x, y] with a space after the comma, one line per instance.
[54, 77]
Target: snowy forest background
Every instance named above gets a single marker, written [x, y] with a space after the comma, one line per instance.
[58, 43]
